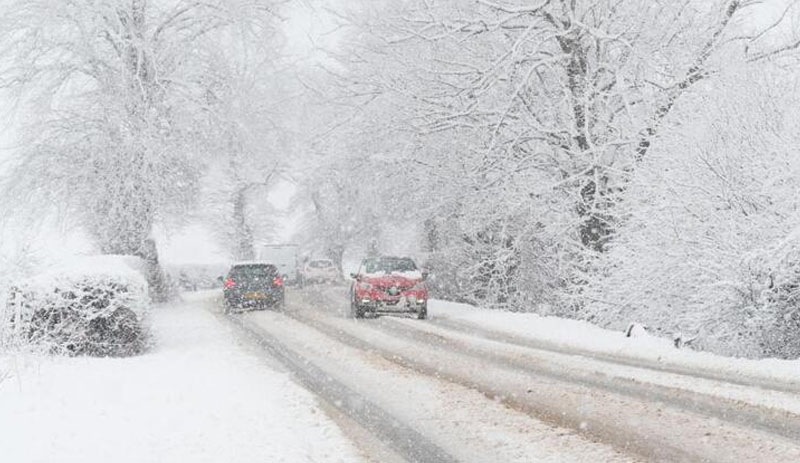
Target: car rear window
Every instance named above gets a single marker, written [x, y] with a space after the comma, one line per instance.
[254, 271]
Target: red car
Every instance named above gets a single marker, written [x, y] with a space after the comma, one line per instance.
[388, 285]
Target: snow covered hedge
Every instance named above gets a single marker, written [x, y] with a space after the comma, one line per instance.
[94, 306]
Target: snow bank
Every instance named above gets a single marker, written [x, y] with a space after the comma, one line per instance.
[583, 336]
[197, 396]
[90, 305]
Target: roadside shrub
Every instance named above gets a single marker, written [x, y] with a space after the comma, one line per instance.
[98, 309]
[711, 235]
[780, 299]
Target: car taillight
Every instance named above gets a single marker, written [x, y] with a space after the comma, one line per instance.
[230, 283]
[278, 281]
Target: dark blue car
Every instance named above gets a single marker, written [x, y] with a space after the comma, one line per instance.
[253, 285]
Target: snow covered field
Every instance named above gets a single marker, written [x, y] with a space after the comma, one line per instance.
[198, 396]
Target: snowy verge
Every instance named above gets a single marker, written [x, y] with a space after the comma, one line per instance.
[583, 336]
[198, 396]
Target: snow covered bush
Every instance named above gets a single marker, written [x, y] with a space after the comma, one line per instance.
[96, 306]
[512, 264]
[711, 241]
[781, 299]
[16, 262]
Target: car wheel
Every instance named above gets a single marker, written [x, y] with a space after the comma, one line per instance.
[356, 311]
[228, 307]
[422, 313]
[280, 305]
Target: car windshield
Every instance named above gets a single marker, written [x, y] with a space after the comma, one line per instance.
[389, 265]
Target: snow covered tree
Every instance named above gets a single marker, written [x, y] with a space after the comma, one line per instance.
[249, 100]
[113, 94]
[343, 209]
[529, 119]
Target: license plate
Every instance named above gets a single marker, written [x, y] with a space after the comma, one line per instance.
[255, 296]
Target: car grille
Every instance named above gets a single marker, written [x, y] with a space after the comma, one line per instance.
[395, 290]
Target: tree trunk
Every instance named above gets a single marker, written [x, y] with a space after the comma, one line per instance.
[243, 234]
[156, 278]
[596, 226]
[145, 249]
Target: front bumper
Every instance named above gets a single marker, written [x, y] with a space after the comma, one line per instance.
[404, 303]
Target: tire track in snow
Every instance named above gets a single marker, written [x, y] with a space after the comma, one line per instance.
[411, 445]
[767, 385]
[775, 421]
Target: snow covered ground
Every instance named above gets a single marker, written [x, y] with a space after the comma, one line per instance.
[199, 396]
[580, 335]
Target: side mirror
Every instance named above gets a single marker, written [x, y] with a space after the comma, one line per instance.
[424, 274]
[221, 279]
[354, 276]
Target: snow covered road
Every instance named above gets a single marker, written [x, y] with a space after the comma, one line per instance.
[454, 422]
[615, 409]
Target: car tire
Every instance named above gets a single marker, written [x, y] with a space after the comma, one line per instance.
[422, 313]
[227, 307]
[356, 311]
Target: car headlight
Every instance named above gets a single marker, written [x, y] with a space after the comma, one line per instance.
[419, 286]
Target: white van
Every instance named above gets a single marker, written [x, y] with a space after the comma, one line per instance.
[282, 256]
[319, 271]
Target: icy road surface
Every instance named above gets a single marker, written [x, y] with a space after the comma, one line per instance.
[477, 398]
[200, 395]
